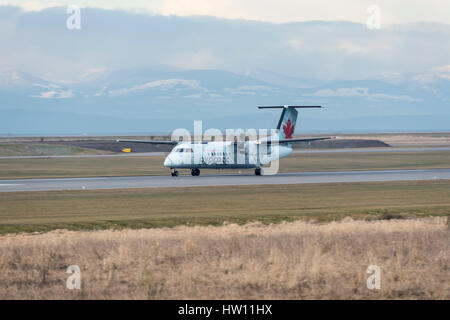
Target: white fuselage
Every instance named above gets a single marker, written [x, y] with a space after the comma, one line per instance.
[223, 155]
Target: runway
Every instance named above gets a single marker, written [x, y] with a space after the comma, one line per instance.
[17, 185]
[296, 151]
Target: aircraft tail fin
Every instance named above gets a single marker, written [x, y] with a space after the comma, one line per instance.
[288, 119]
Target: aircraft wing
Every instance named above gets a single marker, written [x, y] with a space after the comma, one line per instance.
[304, 139]
[298, 140]
[150, 141]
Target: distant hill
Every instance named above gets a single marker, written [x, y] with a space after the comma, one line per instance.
[159, 100]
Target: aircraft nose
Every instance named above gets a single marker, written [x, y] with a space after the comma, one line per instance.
[167, 162]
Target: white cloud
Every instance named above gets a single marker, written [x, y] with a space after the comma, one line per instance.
[92, 71]
[46, 86]
[34, 5]
[318, 50]
[296, 44]
[158, 84]
[201, 59]
[100, 92]
[341, 92]
[351, 48]
[256, 88]
[48, 94]
[238, 91]
[398, 11]
[193, 96]
[442, 72]
[250, 90]
[9, 73]
[360, 92]
[15, 76]
[377, 96]
[53, 94]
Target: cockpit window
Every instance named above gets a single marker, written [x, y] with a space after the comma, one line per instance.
[184, 150]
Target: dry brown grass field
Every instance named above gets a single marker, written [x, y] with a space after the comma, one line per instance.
[295, 260]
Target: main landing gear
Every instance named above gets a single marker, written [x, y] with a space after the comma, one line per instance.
[257, 171]
[174, 172]
[195, 172]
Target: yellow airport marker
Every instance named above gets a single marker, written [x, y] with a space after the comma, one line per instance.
[126, 150]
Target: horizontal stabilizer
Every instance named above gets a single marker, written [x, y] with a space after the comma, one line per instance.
[279, 107]
[304, 139]
[300, 140]
[150, 141]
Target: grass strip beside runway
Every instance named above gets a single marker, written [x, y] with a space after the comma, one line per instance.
[168, 207]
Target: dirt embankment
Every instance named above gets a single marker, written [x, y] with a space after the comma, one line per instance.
[113, 146]
[341, 144]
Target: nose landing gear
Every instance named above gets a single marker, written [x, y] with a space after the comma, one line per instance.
[195, 172]
[174, 172]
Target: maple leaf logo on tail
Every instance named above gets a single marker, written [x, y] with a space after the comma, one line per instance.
[288, 129]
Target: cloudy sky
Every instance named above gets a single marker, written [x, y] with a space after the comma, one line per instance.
[280, 11]
[278, 51]
[413, 39]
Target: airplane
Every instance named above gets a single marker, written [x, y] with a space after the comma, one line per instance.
[235, 154]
